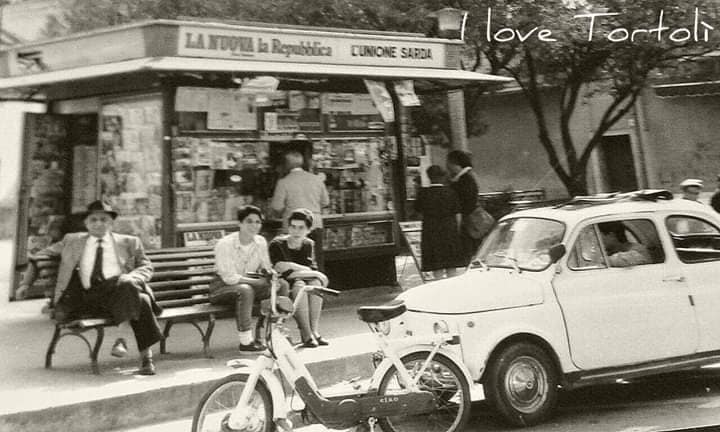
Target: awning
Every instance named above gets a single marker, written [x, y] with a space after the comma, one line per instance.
[443, 77]
[701, 88]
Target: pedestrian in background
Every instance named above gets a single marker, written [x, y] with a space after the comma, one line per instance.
[440, 239]
[459, 166]
[715, 200]
[691, 189]
[301, 189]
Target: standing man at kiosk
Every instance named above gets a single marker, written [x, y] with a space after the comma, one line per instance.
[301, 189]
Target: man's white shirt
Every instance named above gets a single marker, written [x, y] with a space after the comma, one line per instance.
[111, 265]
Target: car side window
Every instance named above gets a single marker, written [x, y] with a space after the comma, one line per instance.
[631, 242]
[587, 253]
[695, 240]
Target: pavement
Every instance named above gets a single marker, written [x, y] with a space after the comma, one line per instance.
[70, 397]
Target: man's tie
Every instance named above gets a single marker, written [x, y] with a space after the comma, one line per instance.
[96, 277]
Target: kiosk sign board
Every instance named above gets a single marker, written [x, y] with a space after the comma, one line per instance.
[309, 47]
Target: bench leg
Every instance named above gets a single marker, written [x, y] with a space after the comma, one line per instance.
[166, 334]
[93, 350]
[51, 347]
[96, 350]
[208, 335]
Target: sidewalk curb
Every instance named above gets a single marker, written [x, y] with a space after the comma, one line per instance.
[159, 405]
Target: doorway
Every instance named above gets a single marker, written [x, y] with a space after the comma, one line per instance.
[619, 165]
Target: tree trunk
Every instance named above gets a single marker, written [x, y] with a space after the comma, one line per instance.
[576, 184]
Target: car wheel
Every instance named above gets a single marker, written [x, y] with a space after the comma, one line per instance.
[521, 384]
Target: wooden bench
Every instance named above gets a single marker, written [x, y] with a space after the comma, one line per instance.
[180, 283]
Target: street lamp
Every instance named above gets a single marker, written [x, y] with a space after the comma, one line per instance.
[451, 20]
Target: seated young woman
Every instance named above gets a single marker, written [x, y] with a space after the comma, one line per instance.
[293, 255]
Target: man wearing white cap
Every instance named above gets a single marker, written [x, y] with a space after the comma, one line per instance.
[691, 189]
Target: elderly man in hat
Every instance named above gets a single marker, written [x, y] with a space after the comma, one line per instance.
[105, 274]
[715, 199]
[691, 189]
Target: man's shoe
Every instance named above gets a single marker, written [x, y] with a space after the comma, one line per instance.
[119, 348]
[253, 347]
[147, 367]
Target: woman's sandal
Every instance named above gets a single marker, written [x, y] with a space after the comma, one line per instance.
[322, 341]
[310, 343]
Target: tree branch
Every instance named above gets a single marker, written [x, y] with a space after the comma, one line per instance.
[532, 94]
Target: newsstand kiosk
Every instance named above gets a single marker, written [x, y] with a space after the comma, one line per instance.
[177, 123]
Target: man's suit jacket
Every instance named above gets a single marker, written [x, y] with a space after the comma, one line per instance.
[128, 249]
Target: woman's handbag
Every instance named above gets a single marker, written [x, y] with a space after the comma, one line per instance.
[478, 223]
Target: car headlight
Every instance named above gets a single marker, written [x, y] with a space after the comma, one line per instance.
[441, 327]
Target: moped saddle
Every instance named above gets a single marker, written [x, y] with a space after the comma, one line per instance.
[375, 314]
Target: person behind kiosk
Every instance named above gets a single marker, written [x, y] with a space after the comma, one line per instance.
[105, 274]
[293, 255]
[237, 256]
[440, 239]
[301, 189]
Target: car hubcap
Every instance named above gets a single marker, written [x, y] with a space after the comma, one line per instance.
[526, 384]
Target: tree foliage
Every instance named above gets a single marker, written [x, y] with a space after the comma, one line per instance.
[572, 64]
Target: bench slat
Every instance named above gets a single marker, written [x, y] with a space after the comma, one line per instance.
[150, 252]
[172, 304]
[177, 256]
[174, 274]
[180, 294]
[183, 264]
[164, 285]
[195, 311]
[86, 323]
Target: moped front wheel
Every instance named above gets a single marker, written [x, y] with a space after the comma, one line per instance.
[214, 410]
[445, 380]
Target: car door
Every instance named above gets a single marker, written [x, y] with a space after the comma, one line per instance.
[622, 315]
[696, 241]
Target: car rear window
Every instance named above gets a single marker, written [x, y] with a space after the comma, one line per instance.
[696, 240]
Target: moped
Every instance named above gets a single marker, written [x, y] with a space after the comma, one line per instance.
[418, 384]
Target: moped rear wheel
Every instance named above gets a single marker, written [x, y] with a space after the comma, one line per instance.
[443, 378]
[218, 402]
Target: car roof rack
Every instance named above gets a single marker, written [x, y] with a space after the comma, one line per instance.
[612, 197]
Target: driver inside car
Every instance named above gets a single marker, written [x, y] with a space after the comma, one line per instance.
[620, 251]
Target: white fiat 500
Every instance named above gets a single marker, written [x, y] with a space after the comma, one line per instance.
[587, 292]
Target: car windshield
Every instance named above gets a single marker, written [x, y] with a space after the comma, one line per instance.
[521, 242]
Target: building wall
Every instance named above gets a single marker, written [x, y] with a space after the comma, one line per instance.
[683, 139]
[509, 155]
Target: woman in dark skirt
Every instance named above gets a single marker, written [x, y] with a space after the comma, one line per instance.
[462, 181]
[440, 241]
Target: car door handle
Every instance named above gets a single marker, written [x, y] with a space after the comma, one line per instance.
[674, 279]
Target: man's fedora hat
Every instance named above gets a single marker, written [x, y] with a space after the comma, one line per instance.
[100, 207]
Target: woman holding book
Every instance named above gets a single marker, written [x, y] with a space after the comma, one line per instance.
[293, 255]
